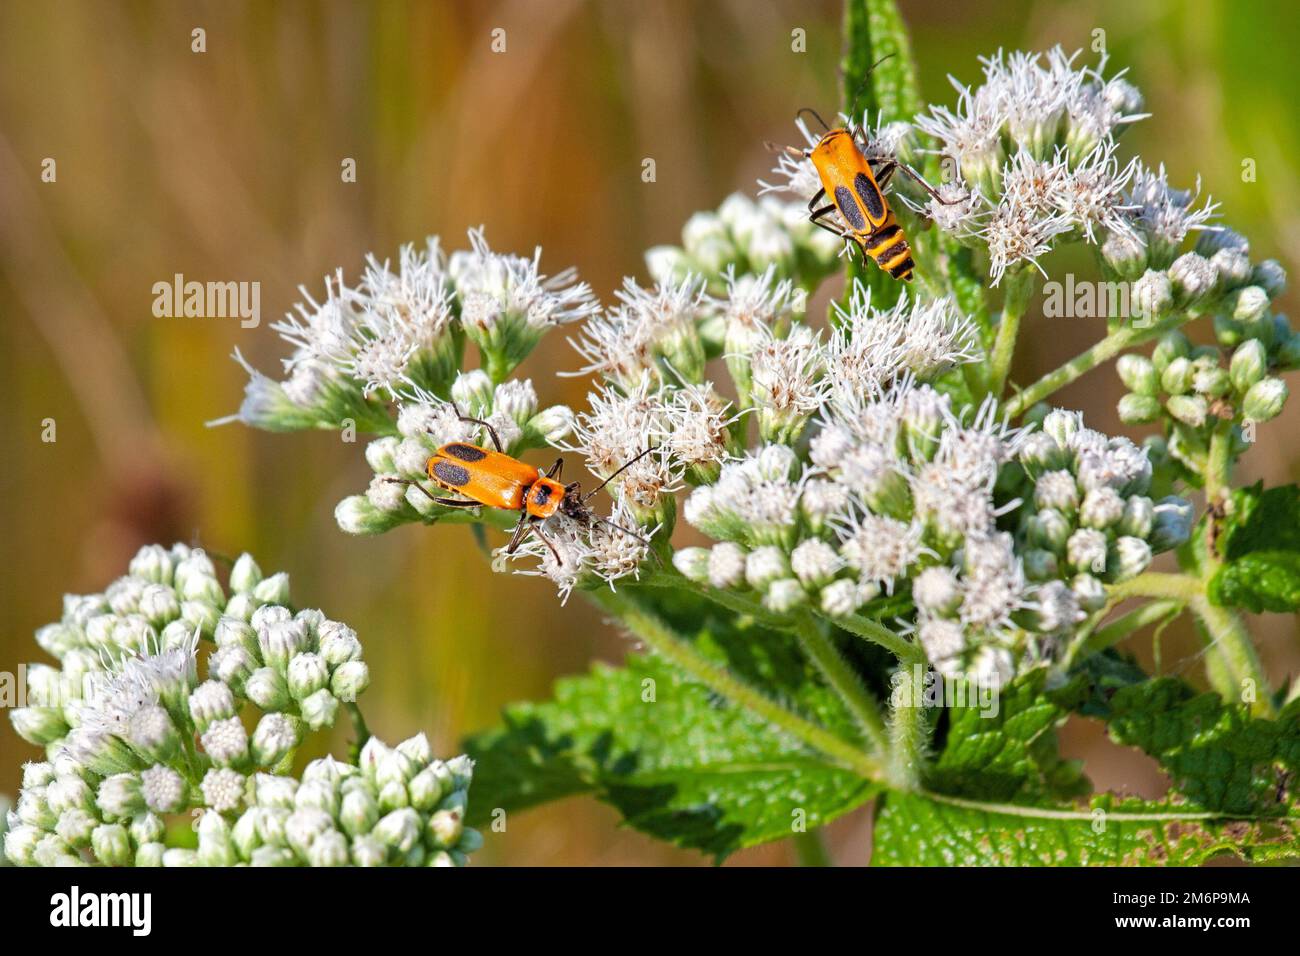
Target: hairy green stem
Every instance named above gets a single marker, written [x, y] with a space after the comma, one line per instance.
[664, 641]
[1236, 669]
[1240, 676]
[1122, 627]
[1019, 290]
[810, 848]
[909, 733]
[1105, 350]
[819, 647]
[877, 633]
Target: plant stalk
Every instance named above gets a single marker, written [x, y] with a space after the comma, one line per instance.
[816, 643]
[669, 645]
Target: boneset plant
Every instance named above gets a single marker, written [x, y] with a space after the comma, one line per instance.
[147, 766]
[866, 565]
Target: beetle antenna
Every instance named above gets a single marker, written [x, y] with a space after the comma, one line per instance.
[814, 113]
[863, 85]
[621, 468]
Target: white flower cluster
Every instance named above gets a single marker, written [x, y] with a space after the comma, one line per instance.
[405, 327]
[131, 735]
[906, 491]
[744, 236]
[661, 408]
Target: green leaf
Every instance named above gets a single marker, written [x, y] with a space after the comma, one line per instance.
[1217, 755]
[1008, 749]
[925, 830]
[684, 766]
[1260, 544]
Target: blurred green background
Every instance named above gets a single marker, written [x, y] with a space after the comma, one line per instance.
[226, 166]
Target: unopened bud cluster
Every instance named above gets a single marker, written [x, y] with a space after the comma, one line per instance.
[745, 236]
[1196, 388]
[132, 736]
[399, 807]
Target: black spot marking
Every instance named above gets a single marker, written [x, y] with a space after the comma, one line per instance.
[465, 452]
[452, 474]
[849, 208]
[541, 494]
[871, 198]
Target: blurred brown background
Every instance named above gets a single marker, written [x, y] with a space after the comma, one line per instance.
[225, 166]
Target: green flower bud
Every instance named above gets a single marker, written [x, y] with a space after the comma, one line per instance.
[399, 830]
[307, 673]
[328, 849]
[1172, 345]
[1126, 255]
[1089, 591]
[111, 844]
[1177, 376]
[1139, 517]
[1270, 276]
[1129, 557]
[275, 737]
[445, 828]
[1173, 523]
[267, 689]
[1137, 409]
[1247, 305]
[39, 725]
[358, 812]
[1249, 365]
[216, 845]
[1211, 381]
[784, 595]
[1194, 280]
[1152, 296]
[234, 632]
[1139, 374]
[349, 680]
[320, 709]
[693, 563]
[1264, 400]
[1233, 267]
[120, 795]
[1049, 529]
[1040, 565]
[150, 854]
[273, 590]
[147, 828]
[1188, 409]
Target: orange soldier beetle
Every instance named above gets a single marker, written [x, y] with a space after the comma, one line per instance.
[493, 479]
[855, 187]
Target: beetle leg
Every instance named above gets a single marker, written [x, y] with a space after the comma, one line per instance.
[816, 217]
[892, 164]
[496, 439]
[536, 529]
[812, 202]
[448, 502]
[556, 469]
[520, 532]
